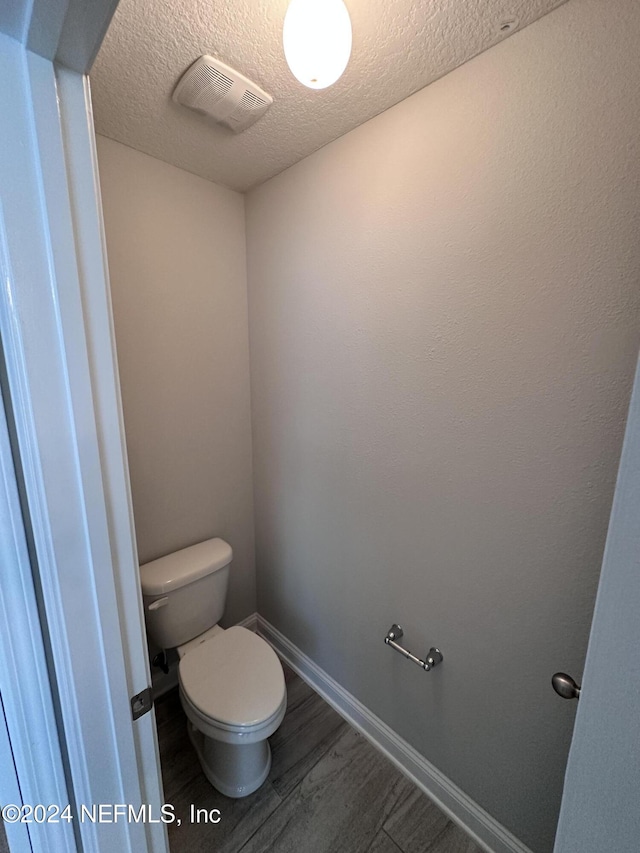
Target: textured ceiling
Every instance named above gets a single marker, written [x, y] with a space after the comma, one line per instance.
[399, 46]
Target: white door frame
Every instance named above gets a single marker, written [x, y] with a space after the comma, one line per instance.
[86, 207]
[63, 386]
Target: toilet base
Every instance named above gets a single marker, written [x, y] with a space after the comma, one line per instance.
[236, 770]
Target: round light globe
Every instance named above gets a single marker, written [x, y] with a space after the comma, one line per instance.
[317, 41]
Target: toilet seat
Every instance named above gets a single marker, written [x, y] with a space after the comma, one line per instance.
[232, 734]
[234, 681]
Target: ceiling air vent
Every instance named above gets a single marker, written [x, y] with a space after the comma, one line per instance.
[213, 89]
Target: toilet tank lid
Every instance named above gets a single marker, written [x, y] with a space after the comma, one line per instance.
[182, 567]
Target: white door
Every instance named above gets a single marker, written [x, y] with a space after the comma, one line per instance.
[30, 751]
[601, 801]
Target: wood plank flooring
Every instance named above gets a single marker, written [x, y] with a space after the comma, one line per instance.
[328, 790]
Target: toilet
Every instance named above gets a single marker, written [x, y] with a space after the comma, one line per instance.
[231, 681]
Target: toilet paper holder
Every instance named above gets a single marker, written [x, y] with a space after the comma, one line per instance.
[395, 633]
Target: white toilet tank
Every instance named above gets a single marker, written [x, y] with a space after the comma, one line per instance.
[184, 593]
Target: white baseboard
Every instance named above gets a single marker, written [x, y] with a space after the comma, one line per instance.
[250, 622]
[474, 820]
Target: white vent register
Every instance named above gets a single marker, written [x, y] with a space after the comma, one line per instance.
[212, 88]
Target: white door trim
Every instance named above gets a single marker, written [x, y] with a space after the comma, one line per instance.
[86, 208]
[42, 322]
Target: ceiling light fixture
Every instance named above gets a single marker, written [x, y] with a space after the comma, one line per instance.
[317, 41]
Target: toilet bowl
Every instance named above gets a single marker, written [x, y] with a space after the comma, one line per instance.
[233, 693]
[231, 682]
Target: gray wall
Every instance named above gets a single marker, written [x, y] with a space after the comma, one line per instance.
[177, 261]
[444, 322]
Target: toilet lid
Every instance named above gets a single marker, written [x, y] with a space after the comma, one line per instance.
[235, 678]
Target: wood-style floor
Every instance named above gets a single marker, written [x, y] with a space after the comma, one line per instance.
[329, 791]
